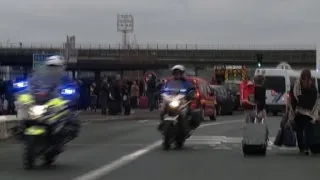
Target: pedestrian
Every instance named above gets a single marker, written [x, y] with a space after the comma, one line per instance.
[304, 109]
[151, 92]
[93, 97]
[104, 92]
[260, 96]
[114, 97]
[134, 94]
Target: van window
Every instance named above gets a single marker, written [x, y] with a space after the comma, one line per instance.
[276, 83]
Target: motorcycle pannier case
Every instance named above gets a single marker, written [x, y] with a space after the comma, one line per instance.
[255, 138]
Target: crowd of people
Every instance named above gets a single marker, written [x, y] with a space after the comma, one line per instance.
[115, 95]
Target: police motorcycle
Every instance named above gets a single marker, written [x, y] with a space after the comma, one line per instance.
[176, 118]
[47, 122]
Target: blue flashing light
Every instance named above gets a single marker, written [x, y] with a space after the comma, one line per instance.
[68, 91]
[20, 84]
[183, 90]
[180, 90]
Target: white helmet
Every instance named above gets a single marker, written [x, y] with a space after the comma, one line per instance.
[178, 67]
[55, 61]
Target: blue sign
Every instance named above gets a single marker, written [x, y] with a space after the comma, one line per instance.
[39, 59]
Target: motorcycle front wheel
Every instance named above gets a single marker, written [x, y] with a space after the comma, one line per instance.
[29, 153]
[181, 136]
[168, 130]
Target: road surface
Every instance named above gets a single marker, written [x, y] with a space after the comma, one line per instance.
[130, 150]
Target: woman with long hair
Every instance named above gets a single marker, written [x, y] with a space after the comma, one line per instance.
[304, 100]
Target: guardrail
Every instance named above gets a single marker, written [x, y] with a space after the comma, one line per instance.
[6, 123]
[166, 46]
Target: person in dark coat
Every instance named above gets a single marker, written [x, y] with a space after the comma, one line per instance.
[304, 109]
[104, 93]
[151, 92]
[260, 96]
[114, 98]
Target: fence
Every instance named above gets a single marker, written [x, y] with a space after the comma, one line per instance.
[153, 46]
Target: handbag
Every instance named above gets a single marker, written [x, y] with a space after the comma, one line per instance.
[279, 138]
[289, 137]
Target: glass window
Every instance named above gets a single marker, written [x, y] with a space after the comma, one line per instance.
[276, 83]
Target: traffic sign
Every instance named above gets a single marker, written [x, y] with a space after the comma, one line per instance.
[39, 59]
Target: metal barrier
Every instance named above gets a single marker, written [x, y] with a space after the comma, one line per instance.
[6, 123]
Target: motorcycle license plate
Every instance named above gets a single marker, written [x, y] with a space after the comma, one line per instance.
[171, 118]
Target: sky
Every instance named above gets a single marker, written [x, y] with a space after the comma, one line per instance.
[214, 22]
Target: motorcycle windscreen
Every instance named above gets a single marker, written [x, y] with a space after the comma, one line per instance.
[43, 87]
[175, 87]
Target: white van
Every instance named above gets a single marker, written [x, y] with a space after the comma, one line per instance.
[277, 83]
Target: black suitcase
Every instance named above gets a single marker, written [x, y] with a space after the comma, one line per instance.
[315, 138]
[255, 138]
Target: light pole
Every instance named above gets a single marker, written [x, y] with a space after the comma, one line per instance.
[124, 25]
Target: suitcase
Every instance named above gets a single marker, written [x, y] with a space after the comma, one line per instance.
[315, 138]
[255, 138]
[143, 102]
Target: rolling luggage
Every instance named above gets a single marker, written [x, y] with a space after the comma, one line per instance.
[315, 138]
[143, 102]
[255, 138]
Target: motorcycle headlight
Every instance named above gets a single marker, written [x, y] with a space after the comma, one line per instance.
[174, 104]
[36, 111]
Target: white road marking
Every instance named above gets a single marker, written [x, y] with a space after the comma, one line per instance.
[124, 160]
[143, 121]
[103, 145]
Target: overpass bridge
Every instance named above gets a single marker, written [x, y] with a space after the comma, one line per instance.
[158, 56]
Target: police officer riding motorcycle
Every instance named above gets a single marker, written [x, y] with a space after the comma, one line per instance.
[49, 119]
[177, 120]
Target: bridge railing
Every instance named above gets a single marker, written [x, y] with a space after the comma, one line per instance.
[151, 46]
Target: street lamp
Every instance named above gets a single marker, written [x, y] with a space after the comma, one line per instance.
[124, 25]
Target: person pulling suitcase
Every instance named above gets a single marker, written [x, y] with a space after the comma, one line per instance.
[255, 136]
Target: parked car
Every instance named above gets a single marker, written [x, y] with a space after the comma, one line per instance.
[234, 88]
[225, 103]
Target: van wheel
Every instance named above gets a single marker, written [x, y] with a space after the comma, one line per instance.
[202, 115]
[214, 116]
[218, 110]
[274, 113]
